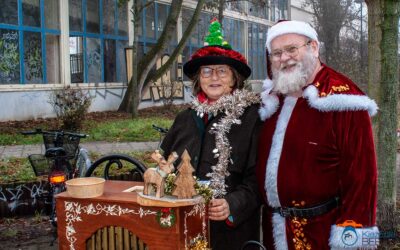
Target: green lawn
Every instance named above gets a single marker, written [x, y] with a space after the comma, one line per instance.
[16, 170]
[124, 130]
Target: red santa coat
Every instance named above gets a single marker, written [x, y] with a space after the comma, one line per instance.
[313, 149]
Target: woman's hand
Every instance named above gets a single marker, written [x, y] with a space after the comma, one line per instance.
[218, 209]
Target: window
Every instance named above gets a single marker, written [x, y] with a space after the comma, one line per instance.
[29, 41]
[31, 13]
[123, 21]
[233, 31]
[256, 51]
[109, 17]
[76, 58]
[149, 21]
[161, 18]
[9, 12]
[258, 9]
[97, 41]
[238, 6]
[279, 10]
[9, 56]
[93, 17]
[33, 57]
[93, 47]
[75, 15]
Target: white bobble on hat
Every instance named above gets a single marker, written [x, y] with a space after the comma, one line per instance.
[290, 27]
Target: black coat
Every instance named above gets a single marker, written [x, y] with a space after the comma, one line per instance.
[189, 132]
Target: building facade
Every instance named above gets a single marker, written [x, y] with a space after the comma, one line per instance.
[48, 44]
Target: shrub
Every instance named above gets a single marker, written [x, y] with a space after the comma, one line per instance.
[169, 90]
[71, 106]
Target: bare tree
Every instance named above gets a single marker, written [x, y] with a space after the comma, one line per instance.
[383, 18]
[221, 5]
[141, 74]
[330, 17]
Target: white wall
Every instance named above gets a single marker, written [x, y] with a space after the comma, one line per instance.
[21, 105]
[17, 105]
[33, 104]
[298, 12]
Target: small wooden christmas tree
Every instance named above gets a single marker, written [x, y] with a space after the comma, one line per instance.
[184, 181]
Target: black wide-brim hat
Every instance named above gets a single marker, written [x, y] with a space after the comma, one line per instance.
[216, 55]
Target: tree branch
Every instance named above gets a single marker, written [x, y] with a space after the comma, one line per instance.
[159, 72]
[165, 37]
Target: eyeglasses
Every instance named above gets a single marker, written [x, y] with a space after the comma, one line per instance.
[291, 51]
[207, 72]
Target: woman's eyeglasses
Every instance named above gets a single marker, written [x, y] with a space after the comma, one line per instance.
[221, 72]
[290, 51]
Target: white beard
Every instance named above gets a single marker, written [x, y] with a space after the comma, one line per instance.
[293, 81]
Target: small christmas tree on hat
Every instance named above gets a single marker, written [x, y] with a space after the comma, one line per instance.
[215, 38]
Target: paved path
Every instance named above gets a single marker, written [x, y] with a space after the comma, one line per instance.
[22, 151]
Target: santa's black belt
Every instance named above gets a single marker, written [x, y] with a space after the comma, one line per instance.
[309, 211]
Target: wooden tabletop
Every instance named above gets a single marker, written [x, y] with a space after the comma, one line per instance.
[113, 191]
[81, 221]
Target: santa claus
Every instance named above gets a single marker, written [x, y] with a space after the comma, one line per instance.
[317, 167]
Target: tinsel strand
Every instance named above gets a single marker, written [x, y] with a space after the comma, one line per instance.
[233, 107]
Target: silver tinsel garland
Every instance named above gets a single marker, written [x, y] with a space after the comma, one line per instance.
[233, 107]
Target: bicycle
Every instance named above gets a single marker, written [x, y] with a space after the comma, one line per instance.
[59, 163]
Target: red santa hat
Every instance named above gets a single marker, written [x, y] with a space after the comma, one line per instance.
[284, 27]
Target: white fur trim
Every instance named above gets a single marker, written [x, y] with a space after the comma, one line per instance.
[279, 232]
[270, 103]
[339, 102]
[267, 85]
[271, 175]
[367, 238]
[290, 27]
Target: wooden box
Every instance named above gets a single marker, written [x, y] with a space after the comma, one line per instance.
[118, 213]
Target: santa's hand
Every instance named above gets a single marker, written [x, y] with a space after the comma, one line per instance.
[218, 209]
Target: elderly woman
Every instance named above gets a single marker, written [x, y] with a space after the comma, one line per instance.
[220, 132]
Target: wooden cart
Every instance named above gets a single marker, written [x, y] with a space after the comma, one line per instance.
[115, 220]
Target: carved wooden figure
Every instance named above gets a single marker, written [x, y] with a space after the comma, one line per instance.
[184, 182]
[158, 175]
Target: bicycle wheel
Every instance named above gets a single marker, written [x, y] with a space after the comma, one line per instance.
[83, 162]
[252, 244]
[56, 189]
[123, 162]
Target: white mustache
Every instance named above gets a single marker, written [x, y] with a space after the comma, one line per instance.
[287, 64]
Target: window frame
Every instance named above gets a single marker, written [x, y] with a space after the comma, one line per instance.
[21, 28]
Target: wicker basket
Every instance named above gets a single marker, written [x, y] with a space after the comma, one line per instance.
[85, 187]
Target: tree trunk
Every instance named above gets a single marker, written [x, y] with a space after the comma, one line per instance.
[374, 50]
[387, 119]
[131, 101]
[221, 6]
